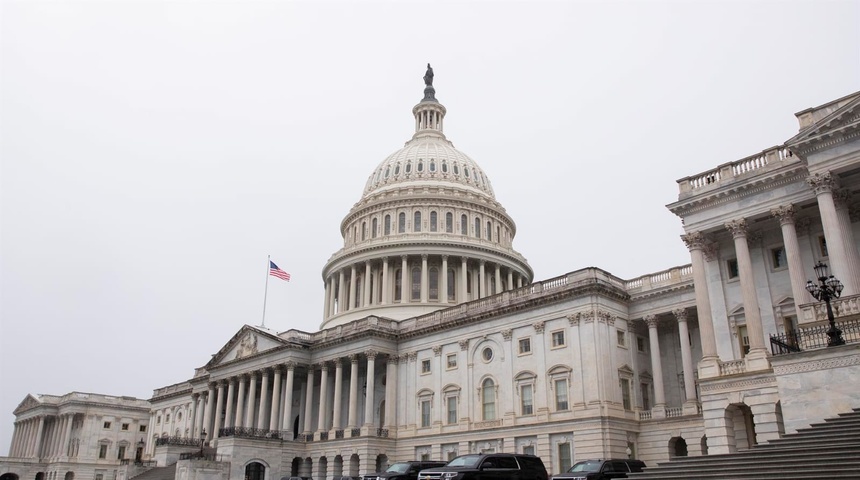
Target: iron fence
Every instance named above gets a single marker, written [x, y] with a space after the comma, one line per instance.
[209, 456]
[244, 432]
[356, 432]
[382, 432]
[811, 338]
[182, 441]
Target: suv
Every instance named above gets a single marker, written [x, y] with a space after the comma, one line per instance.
[493, 466]
[601, 469]
[402, 471]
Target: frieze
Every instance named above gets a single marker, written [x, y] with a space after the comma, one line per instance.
[811, 366]
[738, 385]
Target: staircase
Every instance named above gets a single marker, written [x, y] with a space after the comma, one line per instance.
[158, 473]
[826, 450]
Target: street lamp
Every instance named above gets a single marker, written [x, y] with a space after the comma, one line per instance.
[830, 287]
[202, 440]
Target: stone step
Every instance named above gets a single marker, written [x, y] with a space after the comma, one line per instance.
[838, 438]
[759, 461]
[158, 473]
[823, 473]
[831, 427]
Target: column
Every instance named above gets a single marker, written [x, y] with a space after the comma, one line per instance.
[756, 359]
[327, 302]
[39, 431]
[207, 414]
[252, 401]
[198, 423]
[510, 279]
[464, 278]
[690, 402]
[264, 395]
[425, 280]
[240, 402]
[391, 392]
[338, 394]
[823, 185]
[287, 423]
[351, 288]
[482, 283]
[709, 366]
[352, 421]
[309, 401]
[659, 409]
[499, 287]
[375, 296]
[443, 281]
[366, 294]
[68, 437]
[228, 416]
[368, 404]
[405, 289]
[15, 433]
[386, 287]
[842, 200]
[219, 405]
[341, 292]
[786, 216]
[321, 424]
[276, 399]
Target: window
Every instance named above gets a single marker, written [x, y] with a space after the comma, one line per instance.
[373, 226]
[744, 339]
[529, 450]
[640, 344]
[107, 424]
[525, 346]
[103, 451]
[416, 283]
[561, 402]
[822, 245]
[158, 420]
[488, 400]
[452, 360]
[425, 366]
[451, 285]
[477, 227]
[358, 291]
[425, 413]
[564, 460]
[621, 338]
[120, 452]
[527, 399]
[124, 427]
[452, 455]
[363, 231]
[416, 224]
[732, 268]
[401, 223]
[433, 222]
[777, 256]
[143, 428]
[625, 393]
[464, 225]
[489, 231]
[398, 285]
[558, 339]
[451, 403]
[167, 418]
[487, 354]
[387, 226]
[646, 395]
[449, 222]
[434, 283]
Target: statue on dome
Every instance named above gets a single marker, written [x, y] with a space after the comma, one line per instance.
[428, 77]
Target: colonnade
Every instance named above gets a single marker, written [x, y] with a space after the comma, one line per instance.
[416, 279]
[44, 436]
[690, 400]
[842, 253]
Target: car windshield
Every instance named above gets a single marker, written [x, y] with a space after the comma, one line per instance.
[591, 466]
[398, 468]
[465, 461]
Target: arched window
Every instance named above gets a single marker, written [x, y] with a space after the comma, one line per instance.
[363, 231]
[409, 167]
[388, 225]
[397, 170]
[420, 165]
[477, 227]
[489, 231]
[398, 285]
[433, 222]
[456, 169]
[416, 283]
[449, 222]
[464, 225]
[498, 235]
[492, 288]
[387, 171]
[432, 166]
[451, 287]
[401, 223]
[488, 400]
[416, 224]
[444, 166]
[434, 283]
[255, 471]
[373, 226]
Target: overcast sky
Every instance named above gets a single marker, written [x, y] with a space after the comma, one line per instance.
[154, 153]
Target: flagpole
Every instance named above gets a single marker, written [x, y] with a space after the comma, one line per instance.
[266, 291]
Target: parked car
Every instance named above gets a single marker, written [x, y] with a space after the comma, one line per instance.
[403, 470]
[493, 466]
[600, 469]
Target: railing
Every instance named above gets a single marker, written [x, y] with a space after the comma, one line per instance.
[382, 432]
[811, 338]
[323, 435]
[672, 276]
[674, 412]
[488, 424]
[243, 432]
[355, 432]
[842, 307]
[645, 415]
[733, 367]
[139, 463]
[208, 456]
[338, 434]
[182, 441]
[728, 171]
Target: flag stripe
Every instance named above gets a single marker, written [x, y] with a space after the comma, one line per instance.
[277, 272]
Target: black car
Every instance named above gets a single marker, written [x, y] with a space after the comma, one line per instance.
[493, 466]
[601, 469]
[403, 470]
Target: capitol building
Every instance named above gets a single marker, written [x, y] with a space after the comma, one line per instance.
[436, 340]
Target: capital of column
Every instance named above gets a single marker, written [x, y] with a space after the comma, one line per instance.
[573, 319]
[290, 365]
[464, 345]
[680, 314]
[413, 356]
[423, 256]
[353, 358]
[507, 333]
[254, 374]
[738, 228]
[322, 366]
[538, 326]
[695, 240]
[444, 257]
[195, 396]
[842, 198]
[821, 183]
[371, 354]
[279, 368]
[393, 359]
[404, 257]
[650, 320]
[437, 350]
[483, 262]
[223, 382]
[786, 214]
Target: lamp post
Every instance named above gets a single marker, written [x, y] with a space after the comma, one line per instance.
[202, 440]
[829, 288]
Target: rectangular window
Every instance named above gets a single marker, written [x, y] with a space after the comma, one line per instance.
[425, 413]
[744, 339]
[561, 403]
[640, 344]
[452, 410]
[106, 425]
[143, 428]
[425, 366]
[525, 345]
[621, 338]
[452, 455]
[124, 426]
[452, 360]
[646, 395]
[777, 255]
[526, 399]
[822, 245]
[102, 451]
[167, 418]
[564, 460]
[625, 394]
[425, 457]
[120, 453]
[732, 268]
[158, 420]
[558, 339]
[529, 450]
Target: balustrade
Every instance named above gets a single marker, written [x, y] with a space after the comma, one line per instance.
[727, 172]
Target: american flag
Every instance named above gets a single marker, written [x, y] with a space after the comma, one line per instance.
[277, 272]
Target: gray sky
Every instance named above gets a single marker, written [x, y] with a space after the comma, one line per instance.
[153, 153]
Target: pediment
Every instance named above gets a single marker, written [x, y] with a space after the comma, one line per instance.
[842, 121]
[29, 402]
[247, 342]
